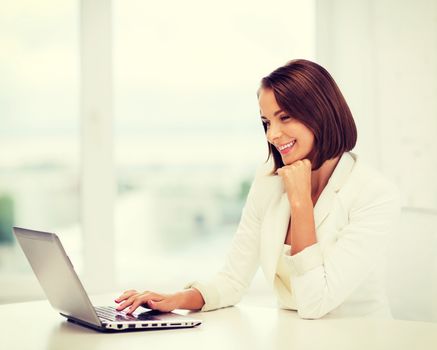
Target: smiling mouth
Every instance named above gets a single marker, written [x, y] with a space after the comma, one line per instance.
[284, 149]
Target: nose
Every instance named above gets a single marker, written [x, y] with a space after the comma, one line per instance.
[274, 132]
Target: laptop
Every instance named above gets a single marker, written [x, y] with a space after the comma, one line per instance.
[66, 293]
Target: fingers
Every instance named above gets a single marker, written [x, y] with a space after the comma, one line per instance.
[129, 301]
[145, 298]
[125, 295]
[155, 301]
[306, 163]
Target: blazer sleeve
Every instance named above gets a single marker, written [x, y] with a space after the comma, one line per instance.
[227, 287]
[321, 282]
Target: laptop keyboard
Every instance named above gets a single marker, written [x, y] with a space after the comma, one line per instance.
[109, 313]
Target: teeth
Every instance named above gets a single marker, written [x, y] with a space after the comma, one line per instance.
[281, 148]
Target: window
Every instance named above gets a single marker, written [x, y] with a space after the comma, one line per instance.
[39, 183]
[187, 132]
[188, 135]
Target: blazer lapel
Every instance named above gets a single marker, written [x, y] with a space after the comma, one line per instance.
[324, 204]
[336, 181]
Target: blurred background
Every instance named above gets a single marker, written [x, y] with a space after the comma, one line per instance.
[131, 128]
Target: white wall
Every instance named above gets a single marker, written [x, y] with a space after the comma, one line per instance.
[383, 55]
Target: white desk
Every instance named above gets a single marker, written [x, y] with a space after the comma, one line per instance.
[35, 325]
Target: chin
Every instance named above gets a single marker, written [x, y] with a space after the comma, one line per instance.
[290, 160]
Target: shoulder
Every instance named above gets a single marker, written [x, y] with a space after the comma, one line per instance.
[364, 176]
[366, 185]
[265, 180]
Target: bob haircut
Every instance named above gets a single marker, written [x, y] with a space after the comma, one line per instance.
[307, 92]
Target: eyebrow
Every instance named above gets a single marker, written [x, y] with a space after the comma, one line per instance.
[274, 114]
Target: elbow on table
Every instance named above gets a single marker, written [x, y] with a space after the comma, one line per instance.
[312, 312]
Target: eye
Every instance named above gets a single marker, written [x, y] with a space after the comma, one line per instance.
[285, 117]
[266, 123]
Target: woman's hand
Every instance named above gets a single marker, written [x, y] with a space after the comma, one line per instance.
[297, 181]
[162, 302]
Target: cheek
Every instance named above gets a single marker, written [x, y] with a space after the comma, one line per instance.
[312, 141]
[309, 139]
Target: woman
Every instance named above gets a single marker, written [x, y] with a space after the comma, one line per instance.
[316, 219]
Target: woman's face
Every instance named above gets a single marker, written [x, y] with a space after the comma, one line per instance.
[293, 140]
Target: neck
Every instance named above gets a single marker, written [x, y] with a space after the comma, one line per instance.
[320, 177]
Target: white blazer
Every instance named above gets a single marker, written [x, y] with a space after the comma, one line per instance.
[343, 273]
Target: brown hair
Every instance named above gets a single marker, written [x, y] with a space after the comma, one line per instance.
[308, 93]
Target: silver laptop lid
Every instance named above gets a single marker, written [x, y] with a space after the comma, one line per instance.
[56, 274]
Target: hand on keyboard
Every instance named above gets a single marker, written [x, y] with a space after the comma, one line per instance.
[156, 301]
